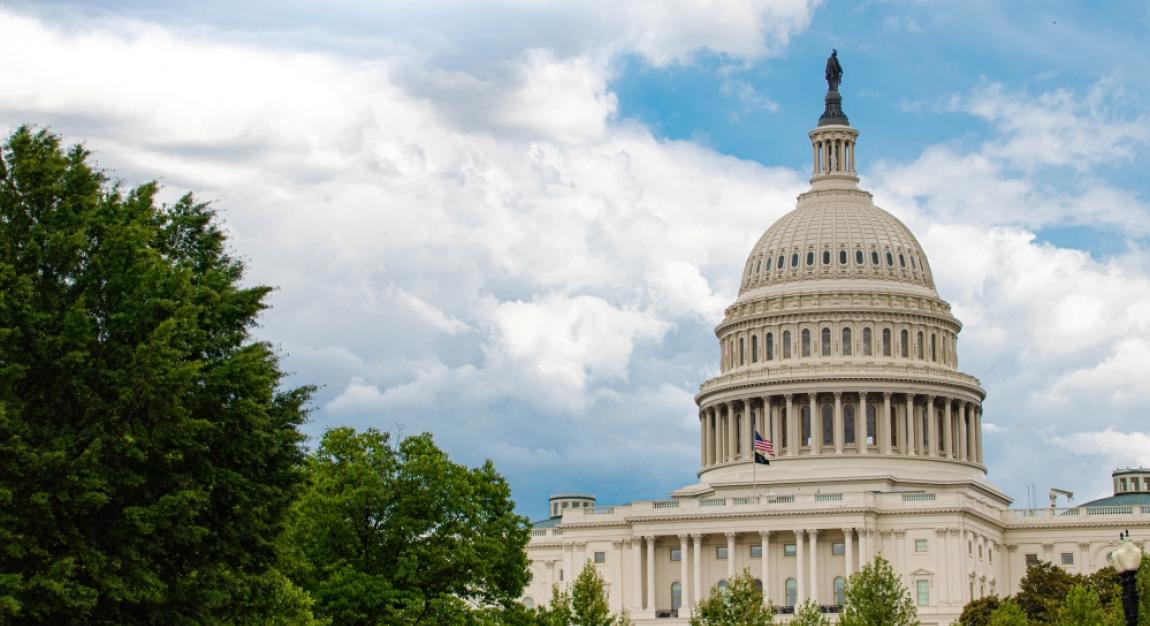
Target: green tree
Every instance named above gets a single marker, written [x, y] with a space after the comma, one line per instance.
[1008, 613]
[1043, 590]
[1082, 607]
[396, 534]
[809, 613]
[977, 612]
[876, 597]
[741, 604]
[148, 451]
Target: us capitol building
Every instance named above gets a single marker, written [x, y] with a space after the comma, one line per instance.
[840, 352]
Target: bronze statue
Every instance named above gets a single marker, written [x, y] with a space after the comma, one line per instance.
[834, 71]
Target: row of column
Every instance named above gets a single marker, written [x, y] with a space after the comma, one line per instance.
[908, 424]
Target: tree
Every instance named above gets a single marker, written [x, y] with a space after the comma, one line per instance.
[1008, 613]
[876, 597]
[1043, 589]
[977, 612]
[809, 613]
[149, 452]
[741, 604]
[400, 534]
[1082, 607]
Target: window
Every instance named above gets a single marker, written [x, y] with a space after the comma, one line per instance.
[754, 348]
[770, 346]
[810, 258]
[920, 545]
[918, 349]
[871, 413]
[788, 549]
[1031, 560]
[721, 553]
[828, 425]
[922, 587]
[859, 257]
[846, 342]
[866, 341]
[676, 596]
[600, 558]
[842, 257]
[792, 589]
[904, 349]
[1068, 558]
[757, 552]
[849, 424]
[806, 342]
[676, 554]
[886, 342]
[826, 257]
[786, 344]
[840, 590]
[825, 340]
[838, 548]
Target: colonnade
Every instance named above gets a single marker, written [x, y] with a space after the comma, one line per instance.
[835, 423]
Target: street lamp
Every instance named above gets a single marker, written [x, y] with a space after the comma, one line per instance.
[1127, 559]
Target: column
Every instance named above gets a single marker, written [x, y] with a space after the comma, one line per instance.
[839, 435]
[636, 574]
[749, 430]
[860, 424]
[848, 533]
[793, 431]
[697, 593]
[730, 557]
[765, 537]
[814, 593]
[964, 444]
[931, 427]
[816, 425]
[800, 569]
[650, 603]
[948, 431]
[884, 425]
[732, 426]
[684, 571]
[912, 439]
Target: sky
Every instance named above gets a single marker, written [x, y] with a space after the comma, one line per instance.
[515, 224]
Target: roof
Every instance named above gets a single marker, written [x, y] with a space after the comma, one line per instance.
[1122, 499]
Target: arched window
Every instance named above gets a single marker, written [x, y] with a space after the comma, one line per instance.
[676, 596]
[886, 342]
[805, 416]
[918, 350]
[806, 342]
[871, 424]
[867, 350]
[792, 589]
[770, 346]
[786, 344]
[828, 425]
[754, 348]
[904, 349]
[933, 347]
[825, 340]
[742, 351]
[849, 423]
[840, 591]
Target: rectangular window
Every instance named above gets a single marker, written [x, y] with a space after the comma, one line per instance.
[1031, 559]
[676, 554]
[922, 587]
[721, 553]
[838, 548]
[1068, 558]
[788, 549]
[600, 558]
[757, 552]
[920, 545]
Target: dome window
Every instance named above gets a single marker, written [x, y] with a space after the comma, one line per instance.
[889, 260]
[902, 261]
[842, 257]
[795, 260]
[874, 257]
[810, 259]
[826, 257]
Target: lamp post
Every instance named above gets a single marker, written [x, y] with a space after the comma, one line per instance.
[1127, 559]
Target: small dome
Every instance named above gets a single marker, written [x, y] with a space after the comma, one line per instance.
[836, 235]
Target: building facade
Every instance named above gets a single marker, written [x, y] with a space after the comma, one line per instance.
[840, 352]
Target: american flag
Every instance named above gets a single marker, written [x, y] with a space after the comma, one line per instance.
[763, 445]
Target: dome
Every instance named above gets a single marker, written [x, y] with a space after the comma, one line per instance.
[839, 234]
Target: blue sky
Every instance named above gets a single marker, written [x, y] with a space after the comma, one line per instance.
[515, 224]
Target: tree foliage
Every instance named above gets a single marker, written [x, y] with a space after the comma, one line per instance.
[741, 603]
[1008, 613]
[148, 452]
[876, 597]
[401, 534]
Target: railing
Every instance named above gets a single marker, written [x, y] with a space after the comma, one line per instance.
[828, 497]
[917, 497]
